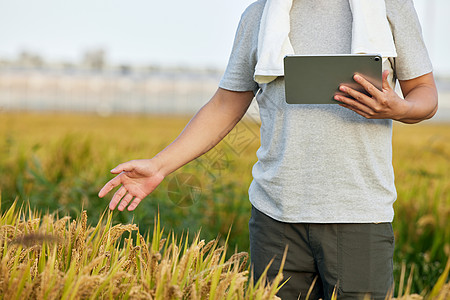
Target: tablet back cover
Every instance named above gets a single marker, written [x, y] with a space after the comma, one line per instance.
[316, 79]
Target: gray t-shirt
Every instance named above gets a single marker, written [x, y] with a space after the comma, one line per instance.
[323, 163]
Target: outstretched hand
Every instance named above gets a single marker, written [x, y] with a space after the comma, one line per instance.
[138, 179]
[384, 104]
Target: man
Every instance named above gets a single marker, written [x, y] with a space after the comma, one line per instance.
[323, 183]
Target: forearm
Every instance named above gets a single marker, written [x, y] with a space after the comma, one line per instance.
[422, 103]
[209, 126]
[421, 100]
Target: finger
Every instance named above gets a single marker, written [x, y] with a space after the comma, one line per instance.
[125, 167]
[386, 85]
[109, 186]
[359, 112]
[369, 87]
[358, 96]
[125, 200]
[134, 204]
[356, 104]
[116, 198]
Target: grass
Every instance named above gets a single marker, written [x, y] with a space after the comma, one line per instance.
[59, 162]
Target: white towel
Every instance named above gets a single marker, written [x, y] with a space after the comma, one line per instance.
[371, 33]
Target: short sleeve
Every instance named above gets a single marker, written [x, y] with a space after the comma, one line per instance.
[412, 56]
[238, 75]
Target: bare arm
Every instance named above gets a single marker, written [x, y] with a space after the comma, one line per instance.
[210, 125]
[419, 103]
[421, 93]
[207, 128]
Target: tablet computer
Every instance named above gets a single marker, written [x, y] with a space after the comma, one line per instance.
[315, 79]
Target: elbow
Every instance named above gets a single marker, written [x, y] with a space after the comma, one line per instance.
[435, 108]
[424, 118]
[433, 112]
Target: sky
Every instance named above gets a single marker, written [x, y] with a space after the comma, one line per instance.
[170, 32]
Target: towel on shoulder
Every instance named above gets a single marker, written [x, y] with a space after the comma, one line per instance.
[371, 33]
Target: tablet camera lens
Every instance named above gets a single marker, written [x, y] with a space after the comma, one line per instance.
[377, 58]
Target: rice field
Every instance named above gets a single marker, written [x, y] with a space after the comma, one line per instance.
[43, 257]
[58, 162]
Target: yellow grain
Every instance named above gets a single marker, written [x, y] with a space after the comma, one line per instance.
[208, 246]
[144, 248]
[137, 294]
[174, 292]
[161, 244]
[8, 232]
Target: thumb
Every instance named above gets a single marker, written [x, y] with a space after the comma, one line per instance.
[125, 167]
[386, 85]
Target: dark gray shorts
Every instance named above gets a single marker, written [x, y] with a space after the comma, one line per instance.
[357, 258]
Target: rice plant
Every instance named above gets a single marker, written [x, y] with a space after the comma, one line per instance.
[46, 257]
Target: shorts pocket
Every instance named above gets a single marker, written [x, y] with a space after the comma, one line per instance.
[365, 253]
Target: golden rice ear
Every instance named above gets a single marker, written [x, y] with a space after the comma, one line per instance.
[439, 291]
[410, 278]
[334, 295]
[367, 297]
[390, 293]
[90, 262]
[311, 287]
[276, 284]
[402, 280]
